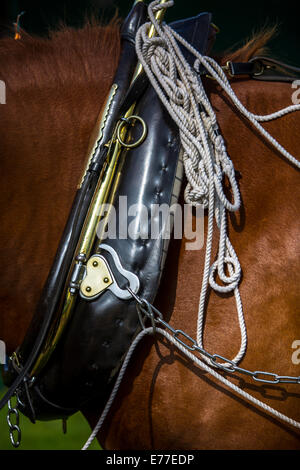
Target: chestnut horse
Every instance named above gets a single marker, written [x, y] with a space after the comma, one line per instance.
[54, 90]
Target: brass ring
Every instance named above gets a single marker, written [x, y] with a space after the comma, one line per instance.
[126, 121]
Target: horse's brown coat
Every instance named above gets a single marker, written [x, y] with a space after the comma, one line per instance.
[55, 90]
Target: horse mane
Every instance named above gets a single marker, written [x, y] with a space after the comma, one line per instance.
[256, 45]
[67, 56]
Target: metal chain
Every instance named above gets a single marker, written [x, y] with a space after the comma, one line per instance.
[185, 340]
[14, 427]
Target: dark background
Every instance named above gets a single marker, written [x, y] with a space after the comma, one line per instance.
[236, 19]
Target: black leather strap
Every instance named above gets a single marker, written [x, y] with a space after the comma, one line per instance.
[53, 289]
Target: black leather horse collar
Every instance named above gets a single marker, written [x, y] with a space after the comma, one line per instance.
[264, 69]
[91, 349]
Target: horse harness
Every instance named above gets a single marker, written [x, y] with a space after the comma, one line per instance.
[98, 295]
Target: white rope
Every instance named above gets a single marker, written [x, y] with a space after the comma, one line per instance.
[206, 161]
[192, 357]
[205, 157]
[116, 386]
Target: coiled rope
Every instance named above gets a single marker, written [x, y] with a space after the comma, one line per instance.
[192, 357]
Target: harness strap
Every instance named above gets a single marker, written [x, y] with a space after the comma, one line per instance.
[264, 68]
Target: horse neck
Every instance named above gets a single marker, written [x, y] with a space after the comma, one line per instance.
[54, 94]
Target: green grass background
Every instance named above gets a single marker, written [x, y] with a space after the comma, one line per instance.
[46, 435]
